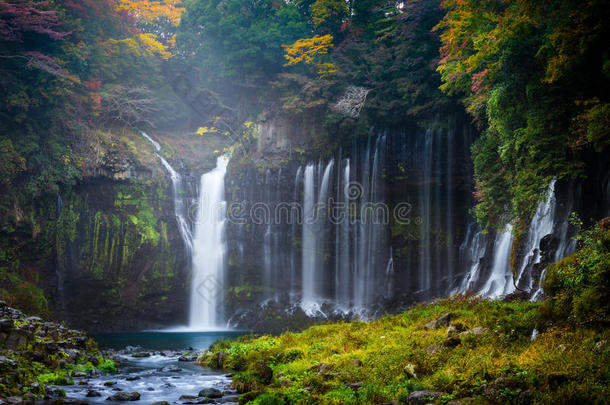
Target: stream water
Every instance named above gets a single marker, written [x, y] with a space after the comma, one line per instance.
[160, 376]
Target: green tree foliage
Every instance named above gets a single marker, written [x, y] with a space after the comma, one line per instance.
[63, 61]
[329, 15]
[239, 39]
[396, 58]
[534, 75]
[365, 11]
[376, 44]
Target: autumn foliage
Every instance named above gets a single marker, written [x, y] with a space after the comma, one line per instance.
[310, 51]
[148, 11]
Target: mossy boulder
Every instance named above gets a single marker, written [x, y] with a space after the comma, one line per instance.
[261, 371]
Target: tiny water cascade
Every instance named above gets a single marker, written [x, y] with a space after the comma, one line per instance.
[209, 251]
[180, 208]
[472, 250]
[540, 226]
[500, 281]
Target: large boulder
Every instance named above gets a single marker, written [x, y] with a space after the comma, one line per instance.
[6, 325]
[17, 338]
[210, 393]
[125, 396]
[423, 397]
[440, 322]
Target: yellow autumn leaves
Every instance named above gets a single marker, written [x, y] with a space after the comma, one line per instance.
[310, 52]
[143, 45]
[149, 10]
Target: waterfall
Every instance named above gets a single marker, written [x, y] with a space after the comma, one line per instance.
[500, 281]
[472, 250]
[424, 203]
[314, 235]
[294, 258]
[209, 250]
[541, 225]
[61, 296]
[154, 143]
[344, 218]
[547, 220]
[372, 245]
[309, 299]
[539, 291]
[449, 209]
[567, 244]
[267, 252]
[342, 242]
[180, 208]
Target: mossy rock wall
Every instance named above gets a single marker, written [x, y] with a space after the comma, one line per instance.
[120, 261]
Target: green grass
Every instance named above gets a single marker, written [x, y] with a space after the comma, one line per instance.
[397, 358]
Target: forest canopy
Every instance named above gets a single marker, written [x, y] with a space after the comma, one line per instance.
[533, 75]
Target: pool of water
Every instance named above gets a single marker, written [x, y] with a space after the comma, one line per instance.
[158, 377]
[161, 340]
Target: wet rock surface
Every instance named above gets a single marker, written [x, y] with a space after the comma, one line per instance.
[56, 349]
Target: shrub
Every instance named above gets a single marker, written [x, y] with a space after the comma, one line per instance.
[107, 366]
[578, 287]
[267, 399]
[58, 378]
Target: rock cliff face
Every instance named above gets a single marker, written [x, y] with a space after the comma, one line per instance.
[420, 177]
[107, 254]
[120, 261]
[429, 246]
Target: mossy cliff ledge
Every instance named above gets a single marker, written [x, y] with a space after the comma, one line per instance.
[37, 357]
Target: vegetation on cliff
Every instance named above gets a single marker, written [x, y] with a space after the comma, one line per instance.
[535, 77]
[507, 351]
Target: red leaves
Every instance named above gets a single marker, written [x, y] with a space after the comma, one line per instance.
[39, 60]
[78, 8]
[93, 84]
[478, 81]
[96, 100]
[20, 16]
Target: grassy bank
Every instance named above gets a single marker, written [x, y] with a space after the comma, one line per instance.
[460, 349]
